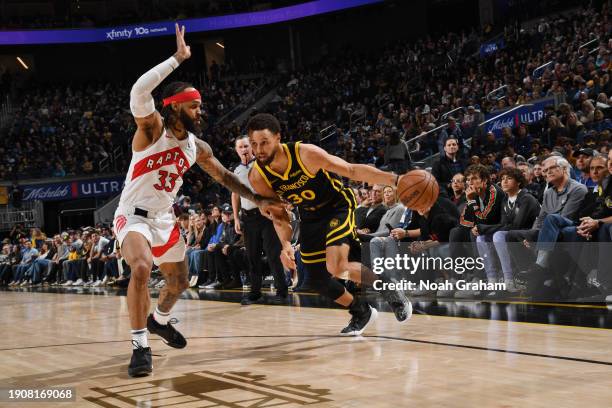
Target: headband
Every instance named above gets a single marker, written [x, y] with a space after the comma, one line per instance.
[182, 97]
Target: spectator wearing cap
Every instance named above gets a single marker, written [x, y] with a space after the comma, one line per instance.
[583, 159]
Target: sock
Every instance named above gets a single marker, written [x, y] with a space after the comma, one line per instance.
[161, 317]
[139, 337]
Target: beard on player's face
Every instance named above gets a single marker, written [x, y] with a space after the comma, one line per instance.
[190, 125]
[263, 160]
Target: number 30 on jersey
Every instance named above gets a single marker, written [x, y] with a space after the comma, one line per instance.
[304, 195]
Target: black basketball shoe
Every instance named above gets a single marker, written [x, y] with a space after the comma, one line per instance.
[167, 332]
[397, 299]
[363, 315]
[141, 363]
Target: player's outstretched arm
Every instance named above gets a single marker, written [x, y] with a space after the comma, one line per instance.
[142, 105]
[280, 219]
[209, 163]
[315, 158]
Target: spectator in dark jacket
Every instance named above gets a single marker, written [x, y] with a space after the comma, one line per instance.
[373, 213]
[484, 207]
[448, 165]
[519, 211]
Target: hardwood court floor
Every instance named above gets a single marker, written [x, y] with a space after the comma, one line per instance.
[275, 356]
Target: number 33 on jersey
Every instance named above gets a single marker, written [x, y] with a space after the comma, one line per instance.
[156, 174]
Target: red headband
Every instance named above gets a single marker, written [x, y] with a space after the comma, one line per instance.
[182, 97]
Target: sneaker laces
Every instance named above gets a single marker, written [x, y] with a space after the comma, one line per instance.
[143, 349]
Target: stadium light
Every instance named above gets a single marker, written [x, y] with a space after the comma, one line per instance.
[220, 45]
[23, 64]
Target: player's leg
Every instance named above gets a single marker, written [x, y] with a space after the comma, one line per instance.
[338, 264]
[137, 253]
[362, 314]
[160, 323]
[173, 266]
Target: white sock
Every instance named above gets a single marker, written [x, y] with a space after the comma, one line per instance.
[161, 317]
[139, 338]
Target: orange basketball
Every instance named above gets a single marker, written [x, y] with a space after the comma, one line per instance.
[418, 189]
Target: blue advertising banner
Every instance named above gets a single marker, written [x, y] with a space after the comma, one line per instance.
[491, 47]
[162, 28]
[513, 117]
[73, 189]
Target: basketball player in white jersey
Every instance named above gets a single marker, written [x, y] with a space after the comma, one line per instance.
[164, 148]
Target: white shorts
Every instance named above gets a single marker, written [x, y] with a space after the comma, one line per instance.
[161, 230]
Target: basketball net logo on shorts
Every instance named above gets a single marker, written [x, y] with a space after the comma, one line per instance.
[334, 223]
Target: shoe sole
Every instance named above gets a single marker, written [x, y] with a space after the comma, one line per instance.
[372, 319]
[407, 310]
[140, 371]
[173, 345]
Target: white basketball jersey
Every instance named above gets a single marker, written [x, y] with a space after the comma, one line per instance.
[156, 174]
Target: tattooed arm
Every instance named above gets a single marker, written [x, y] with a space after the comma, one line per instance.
[209, 163]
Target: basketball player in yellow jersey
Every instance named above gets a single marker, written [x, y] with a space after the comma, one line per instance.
[306, 176]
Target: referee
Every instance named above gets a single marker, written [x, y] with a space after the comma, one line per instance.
[259, 233]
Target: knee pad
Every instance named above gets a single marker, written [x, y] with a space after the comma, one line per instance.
[328, 287]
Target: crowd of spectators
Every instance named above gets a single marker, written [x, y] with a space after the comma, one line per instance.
[59, 130]
[537, 183]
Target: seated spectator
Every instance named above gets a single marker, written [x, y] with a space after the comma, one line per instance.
[95, 265]
[559, 209]
[484, 207]
[508, 162]
[519, 211]
[430, 230]
[531, 186]
[42, 264]
[393, 213]
[458, 187]
[583, 160]
[5, 263]
[28, 255]
[196, 243]
[370, 216]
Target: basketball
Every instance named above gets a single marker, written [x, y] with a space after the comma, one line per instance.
[417, 189]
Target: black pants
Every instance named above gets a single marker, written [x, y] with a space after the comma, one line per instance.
[260, 237]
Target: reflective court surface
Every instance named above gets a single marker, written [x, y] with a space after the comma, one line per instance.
[450, 354]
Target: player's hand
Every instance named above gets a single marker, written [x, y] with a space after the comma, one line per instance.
[526, 244]
[237, 228]
[287, 257]
[224, 250]
[475, 231]
[183, 51]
